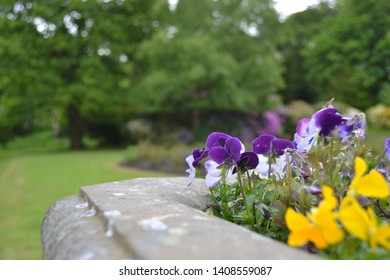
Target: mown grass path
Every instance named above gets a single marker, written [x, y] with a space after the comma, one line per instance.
[30, 183]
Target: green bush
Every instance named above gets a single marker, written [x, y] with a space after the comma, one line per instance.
[44, 140]
[153, 156]
[131, 153]
[379, 116]
[299, 109]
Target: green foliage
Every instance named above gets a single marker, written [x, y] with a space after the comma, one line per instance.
[186, 73]
[69, 57]
[384, 94]
[207, 59]
[45, 141]
[299, 30]
[348, 59]
[131, 154]
[38, 141]
[72, 62]
[158, 157]
[90, 66]
[254, 213]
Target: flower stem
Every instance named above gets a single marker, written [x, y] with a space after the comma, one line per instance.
[331, 161]
[269, 165]
[251, 187]
[241, 186]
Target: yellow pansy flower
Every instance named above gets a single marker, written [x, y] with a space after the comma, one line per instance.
[363, 224]
[371, 185]
[302, 230]
[319, 227]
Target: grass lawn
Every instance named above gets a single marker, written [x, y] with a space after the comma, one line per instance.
[30, 183]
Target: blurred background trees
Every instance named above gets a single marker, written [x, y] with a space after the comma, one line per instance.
[350, 58]
[69, 64]
[104, 69]
[156, 77]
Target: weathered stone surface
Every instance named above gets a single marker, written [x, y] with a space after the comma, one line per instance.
[149, 219]
[71, 230]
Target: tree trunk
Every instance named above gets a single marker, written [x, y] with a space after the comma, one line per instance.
[76, 128]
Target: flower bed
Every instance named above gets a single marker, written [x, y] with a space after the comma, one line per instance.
[314, 192]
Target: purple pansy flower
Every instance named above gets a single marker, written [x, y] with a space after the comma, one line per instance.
[304, 137]
[387, 148]
[279, 145]
[192, 161]
[223, 147]
[216, 139]
[198, 155]
[327, 120]
[262, 144]
[248, 161]
[321, 123]
[345, 131]
[352, 125]
[266, 144]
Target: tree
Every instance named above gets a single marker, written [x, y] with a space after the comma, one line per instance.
[72, 57]
[349, 59]
[212, 56]
[298, 30]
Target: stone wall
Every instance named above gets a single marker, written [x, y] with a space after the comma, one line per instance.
[149, 219]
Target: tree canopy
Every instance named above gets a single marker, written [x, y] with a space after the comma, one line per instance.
[349, 58]
[68, 58]
[89, 66]
[215, 55]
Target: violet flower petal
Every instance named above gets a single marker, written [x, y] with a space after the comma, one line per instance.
[351, 126]
[280, 145]
[233, 147]
[364, 201]
[262, 144]
[248, 160]
[327, 120]
[314, 190]
[198, 155]
[219, 154]
[197, 152]
[302, 126]
[387, 148]
[216, 139]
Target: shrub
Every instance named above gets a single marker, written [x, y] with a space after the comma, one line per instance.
[379, 116]
[38, 141]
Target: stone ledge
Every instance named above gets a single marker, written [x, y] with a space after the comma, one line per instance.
[155, 218]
